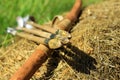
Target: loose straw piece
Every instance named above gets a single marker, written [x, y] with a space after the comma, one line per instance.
[46, 28]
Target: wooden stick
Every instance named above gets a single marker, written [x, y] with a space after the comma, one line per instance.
[40, 55]
[36, 32]
[31, 37]
[51, 43]
[46, 28]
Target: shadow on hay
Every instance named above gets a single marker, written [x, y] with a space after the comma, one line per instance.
[78, 60]
[52, 64]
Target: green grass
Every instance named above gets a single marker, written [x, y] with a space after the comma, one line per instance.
[42, 10]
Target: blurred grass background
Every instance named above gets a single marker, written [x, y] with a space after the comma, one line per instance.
[42, 10]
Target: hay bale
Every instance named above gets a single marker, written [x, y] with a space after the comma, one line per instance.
[94, 52]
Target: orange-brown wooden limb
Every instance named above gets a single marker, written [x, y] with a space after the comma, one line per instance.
[73, 14]
[32, 64]
[40, 54]
[71, 17]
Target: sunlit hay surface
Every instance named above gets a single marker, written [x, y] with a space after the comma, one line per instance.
[13, 56]
[95, 39]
